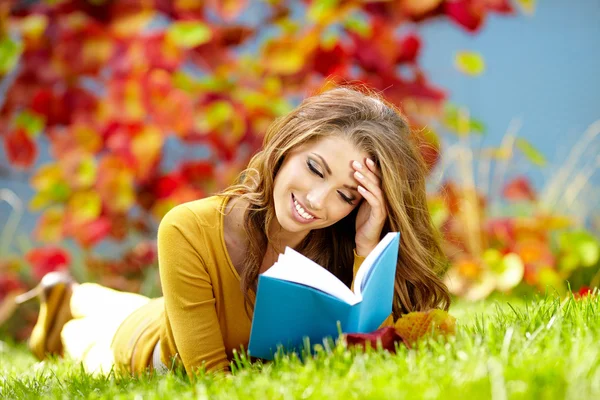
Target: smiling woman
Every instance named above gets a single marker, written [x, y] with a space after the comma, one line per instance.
[332, 178]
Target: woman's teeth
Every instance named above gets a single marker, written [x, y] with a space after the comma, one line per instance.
[301, 211]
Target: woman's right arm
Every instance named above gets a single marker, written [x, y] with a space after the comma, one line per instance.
[188, 292]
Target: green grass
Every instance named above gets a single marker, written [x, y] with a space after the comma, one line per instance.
[538, 349]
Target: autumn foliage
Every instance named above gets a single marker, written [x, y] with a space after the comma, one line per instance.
[108, 85]
[143, 105]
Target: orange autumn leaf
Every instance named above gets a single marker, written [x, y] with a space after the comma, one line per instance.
[49, 227]
[229, 10]
[413, 326]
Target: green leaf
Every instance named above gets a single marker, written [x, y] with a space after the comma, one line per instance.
[189, 34]
[10, 51]
[31, 122]
[582, 244]
[532, 154]
[357, 23]
[461, 123]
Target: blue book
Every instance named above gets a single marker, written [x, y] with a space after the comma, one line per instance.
[297, 299]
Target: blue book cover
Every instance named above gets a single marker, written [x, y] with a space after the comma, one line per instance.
[297, 299]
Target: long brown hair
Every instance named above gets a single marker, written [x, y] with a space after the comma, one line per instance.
[378, 129]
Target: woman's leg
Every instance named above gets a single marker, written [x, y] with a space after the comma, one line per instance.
[92, 300]
[97, 311]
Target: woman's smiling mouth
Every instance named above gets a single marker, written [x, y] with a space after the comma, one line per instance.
[300, 213]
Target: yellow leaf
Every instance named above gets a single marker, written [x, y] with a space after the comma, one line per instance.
[469, 63]
[527, 6]
[46, 176]
[284, 60]
[132, 23]
[84, 206]
[33, 26]
[413, 326]
[39, 201]
[86, 171]
[121, 191]
[146, 147]
[133, 108]
[97, 50]
[322, 11]
[189, 34]
[287, 55]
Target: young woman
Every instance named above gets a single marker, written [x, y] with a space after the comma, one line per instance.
[332, 178]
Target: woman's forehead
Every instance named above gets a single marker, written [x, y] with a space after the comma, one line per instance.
[334, 147]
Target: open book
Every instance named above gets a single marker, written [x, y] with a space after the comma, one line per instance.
[297, 298]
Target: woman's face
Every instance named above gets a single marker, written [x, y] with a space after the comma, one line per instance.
[315, 186]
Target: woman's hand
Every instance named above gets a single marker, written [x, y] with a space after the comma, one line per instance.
[372, 212]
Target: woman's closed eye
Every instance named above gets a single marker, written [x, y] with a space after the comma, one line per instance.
[312, 166]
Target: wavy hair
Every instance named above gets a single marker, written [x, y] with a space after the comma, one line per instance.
[377, 128]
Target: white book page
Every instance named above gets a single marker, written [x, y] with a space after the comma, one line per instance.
[365, 267]
[294, 267]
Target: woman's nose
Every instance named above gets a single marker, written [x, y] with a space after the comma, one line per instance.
[316, 198]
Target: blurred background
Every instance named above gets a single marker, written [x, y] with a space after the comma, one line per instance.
[112, 112]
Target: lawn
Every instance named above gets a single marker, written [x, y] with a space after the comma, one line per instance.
[537, 349]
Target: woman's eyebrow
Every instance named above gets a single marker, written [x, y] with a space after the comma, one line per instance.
[324, 162]
[329, 172]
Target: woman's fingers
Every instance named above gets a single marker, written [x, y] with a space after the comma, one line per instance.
[369, 187]
[368, 178]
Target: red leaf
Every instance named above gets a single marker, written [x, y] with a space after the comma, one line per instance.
[467, 13]
[232, 35]
[377, 53]
[9, 282]
[166, 185]
[409, 49]
[330, 62]
[386, 335]
[21, 151]
[196, 173]
[499, 6]
[88, 234]
[519, 189]
[47, 259]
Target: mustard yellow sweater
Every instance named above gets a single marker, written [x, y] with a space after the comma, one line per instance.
[201, 317]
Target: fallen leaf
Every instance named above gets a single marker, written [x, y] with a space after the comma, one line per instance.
[387, 336]
[415, 325]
